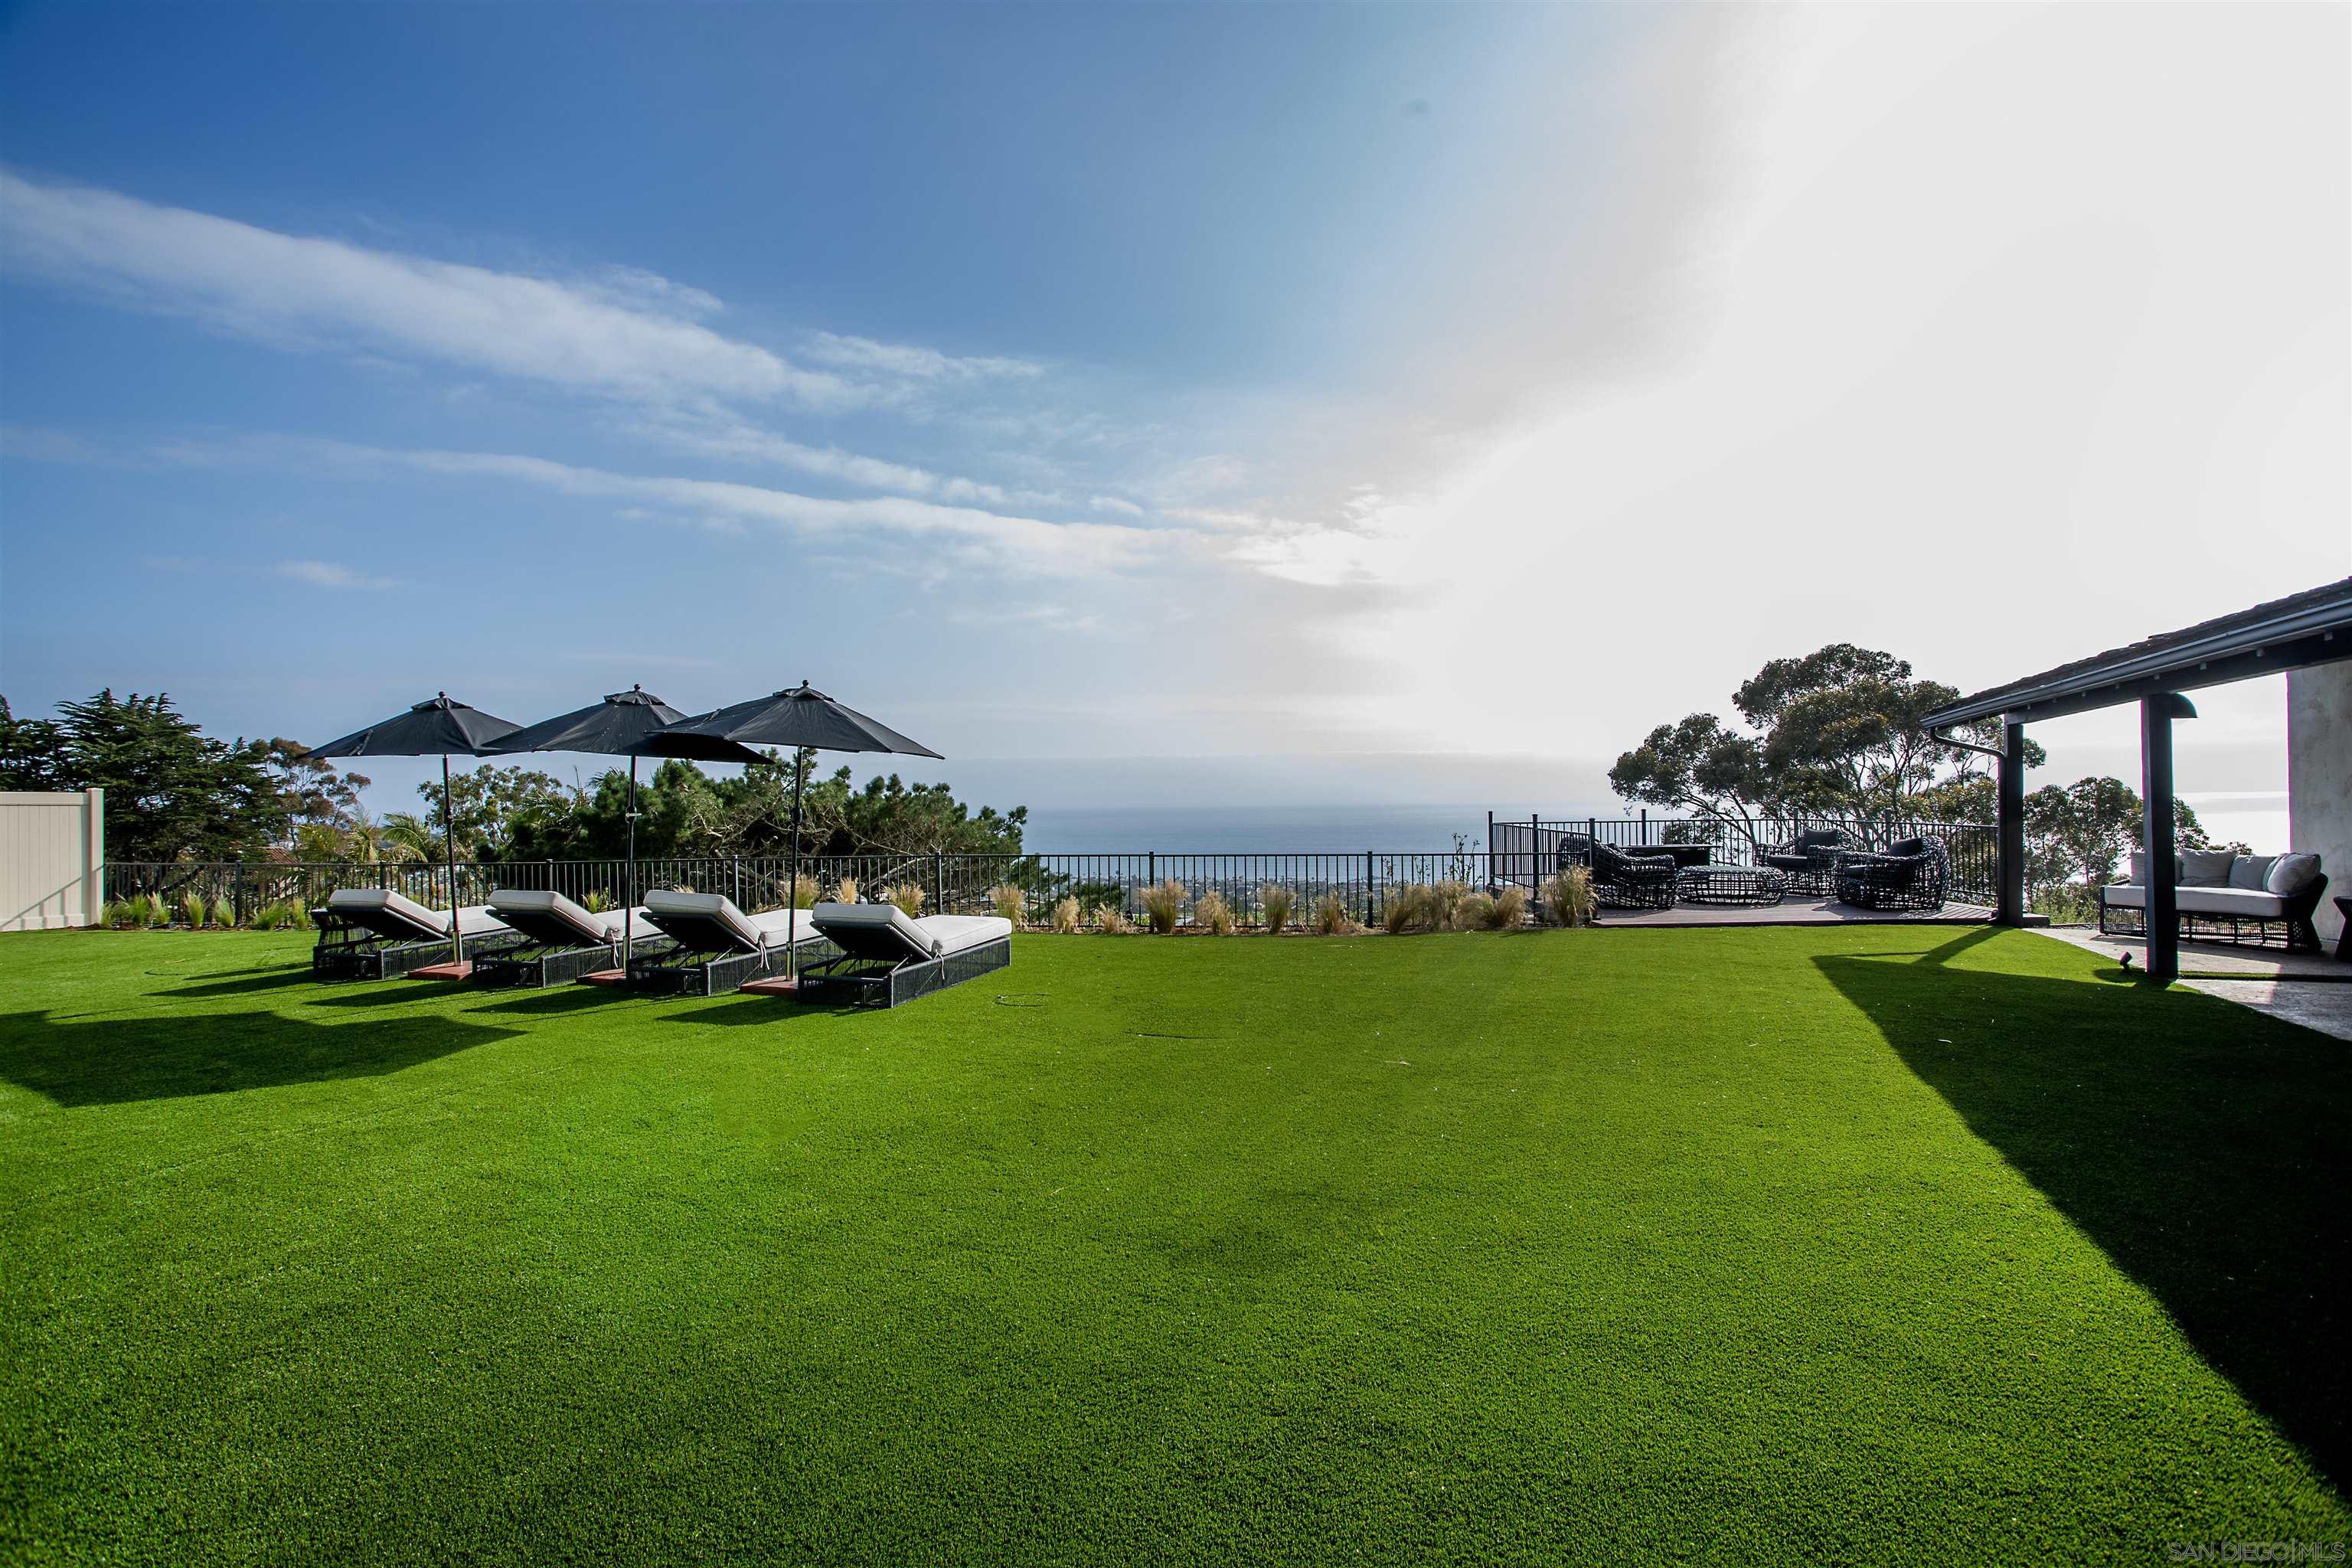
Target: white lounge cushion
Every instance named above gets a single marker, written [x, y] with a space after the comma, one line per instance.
[2242, 903]
[954, 933]
[552, 919]
[879, 931]
[688, 916]
[400, 918]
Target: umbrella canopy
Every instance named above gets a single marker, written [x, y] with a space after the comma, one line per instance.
[439, 727]
[803, 719]
[619, 727]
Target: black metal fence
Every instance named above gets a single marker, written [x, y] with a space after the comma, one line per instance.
[1527, 850]
[1523, 853]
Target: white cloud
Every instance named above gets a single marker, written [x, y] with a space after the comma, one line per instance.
[915, 363]
[625, 334]
[331, 574]
[1113, 503]
[1064, 549]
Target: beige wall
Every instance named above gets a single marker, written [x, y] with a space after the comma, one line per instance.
[52, 858]
[2319, 778]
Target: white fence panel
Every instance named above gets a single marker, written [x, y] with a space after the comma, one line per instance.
[52, 858]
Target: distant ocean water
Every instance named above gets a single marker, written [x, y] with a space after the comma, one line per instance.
[1257, 830]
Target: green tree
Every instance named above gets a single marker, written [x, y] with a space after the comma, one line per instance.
[1839, 732]
[170, 792]
[2076, 836]
[32, 752]
[321, 803]
[492, 803]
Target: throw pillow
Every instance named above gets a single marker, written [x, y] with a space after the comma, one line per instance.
[2251, 872]
[2205, 867]
[2291, 874]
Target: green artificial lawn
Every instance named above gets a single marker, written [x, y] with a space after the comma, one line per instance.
[1874, 1244]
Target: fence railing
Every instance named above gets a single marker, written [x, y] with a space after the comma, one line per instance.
[1524, 852]
[1527, 850]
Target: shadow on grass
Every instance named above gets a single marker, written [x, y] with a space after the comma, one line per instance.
[249, 983]
[113, 1062]
[557, 1000]
[2202, 1146]
[738, 1011]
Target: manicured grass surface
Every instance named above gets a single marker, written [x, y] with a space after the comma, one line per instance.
[1871, 1244]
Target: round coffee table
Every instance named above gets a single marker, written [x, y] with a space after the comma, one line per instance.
[1756, 886]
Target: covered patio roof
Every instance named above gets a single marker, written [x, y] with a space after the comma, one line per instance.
[2313, 626]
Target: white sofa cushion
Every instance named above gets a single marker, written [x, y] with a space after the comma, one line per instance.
[2239, 902]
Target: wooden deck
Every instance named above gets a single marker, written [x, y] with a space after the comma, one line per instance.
[1793, 911]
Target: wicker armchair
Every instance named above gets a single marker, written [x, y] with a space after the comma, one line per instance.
[1908, 874]
[1808, 861]
[1622, 880]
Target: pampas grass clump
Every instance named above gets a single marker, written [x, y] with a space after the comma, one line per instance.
[1474, 911]
[224, 913]
[1510, 908]
[1332, 917]
[1011, 903]
[1567, 894]
[1275, 903]
[597, 902]
[908, 896]
[1113, 921]
[1213, 914]
[1067, 915]
[1163, 905]
[846, 893]
[800, 892]
[1417, 907]
[1444, 901]
[191, 908]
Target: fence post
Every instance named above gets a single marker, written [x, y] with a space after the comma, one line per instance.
[1367, 887]
[1645, 825]
[1493, 879]
[938, 882]
[240, 893]
[735, 878]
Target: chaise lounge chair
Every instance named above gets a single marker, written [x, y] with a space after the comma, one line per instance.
[560, 940]
[373, 933]
[1623, 879]
[1910, 874]
[717, 946]
[885, 959]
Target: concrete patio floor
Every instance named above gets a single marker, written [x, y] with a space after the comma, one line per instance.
[1797, 910]
[2308, 988]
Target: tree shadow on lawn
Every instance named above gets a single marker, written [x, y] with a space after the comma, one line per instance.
[114, 1061]
[2201, 1145]
[247, 982]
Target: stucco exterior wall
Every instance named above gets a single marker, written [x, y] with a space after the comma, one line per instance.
[2319, 778]
[52, 858]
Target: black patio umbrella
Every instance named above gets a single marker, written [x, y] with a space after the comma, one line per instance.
[617, 727]
[438, 727]
[802, 719]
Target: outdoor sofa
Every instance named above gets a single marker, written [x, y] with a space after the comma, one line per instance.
[1909, 874]
[884, 959]
[1809, 860]
[561, 940]
[715, 947]
[2219, 894]
[374, 934]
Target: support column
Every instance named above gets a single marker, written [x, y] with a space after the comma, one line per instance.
[2156, 716]
[2008, 895]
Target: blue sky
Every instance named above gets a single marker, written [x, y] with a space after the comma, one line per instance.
[1192, 382]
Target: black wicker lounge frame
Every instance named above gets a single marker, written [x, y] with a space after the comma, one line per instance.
[882, 982]
[348, 950]
[884, 960]
[540, 965]
[1808, 861]
[1912, 874]
[1623, 879]
[713, 972]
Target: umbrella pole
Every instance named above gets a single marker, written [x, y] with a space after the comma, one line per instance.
[629, 895]
[792, 897]
[449, 839]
